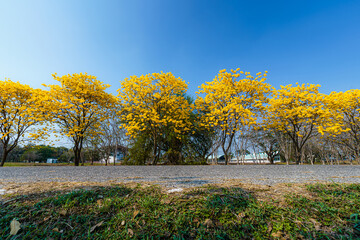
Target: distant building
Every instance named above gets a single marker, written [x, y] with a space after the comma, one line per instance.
[255, 158]
[51, 160]
[119, 158]
[251, 158]
[120, 155]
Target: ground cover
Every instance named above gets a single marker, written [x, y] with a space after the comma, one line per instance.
[145, 211]
[22, 164]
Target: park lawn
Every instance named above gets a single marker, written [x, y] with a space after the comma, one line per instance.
[316, 211]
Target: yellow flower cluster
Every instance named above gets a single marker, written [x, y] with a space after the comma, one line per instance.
[301, 109]
[19, 107]
[79, 104]
[153, 101]
[233, 99]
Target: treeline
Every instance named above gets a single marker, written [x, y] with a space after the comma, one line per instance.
[154, 121]
[39, 154]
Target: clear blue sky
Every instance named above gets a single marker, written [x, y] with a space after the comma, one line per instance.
[296, 41]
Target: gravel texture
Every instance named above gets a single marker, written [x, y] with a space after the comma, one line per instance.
[184, 176]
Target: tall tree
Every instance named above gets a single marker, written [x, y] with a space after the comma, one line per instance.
[232, 100]
[79, 105]
[154, 105]
[301, 113]
[347, 106]
[21, 108]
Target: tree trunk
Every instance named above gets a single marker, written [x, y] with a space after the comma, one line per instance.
[77, 157]
[225, 153]
[297, 156]
[77, 150]
[4, 156]
[115, 153]
[92, 159]
[271, 158]
[154, 161]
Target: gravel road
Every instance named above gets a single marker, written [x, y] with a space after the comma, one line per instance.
[184, 176]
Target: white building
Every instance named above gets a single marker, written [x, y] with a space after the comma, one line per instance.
[252, 158]
[119, 157]
[51, 160]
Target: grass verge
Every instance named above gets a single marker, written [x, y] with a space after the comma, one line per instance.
[326, 211]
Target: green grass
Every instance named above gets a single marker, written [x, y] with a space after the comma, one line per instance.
[21, 164]
[329, 211]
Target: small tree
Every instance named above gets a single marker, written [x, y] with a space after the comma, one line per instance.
[266, 141]
[109, 140]
[79, 104]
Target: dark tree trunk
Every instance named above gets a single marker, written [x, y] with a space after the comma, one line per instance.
[225, 154]
[77, 150]
[228, 148]
[154, 160]
[76, 156]
[271, 158]
[270, 155]
[3, 159]
[297, 155]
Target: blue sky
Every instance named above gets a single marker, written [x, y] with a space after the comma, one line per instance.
[296, 41]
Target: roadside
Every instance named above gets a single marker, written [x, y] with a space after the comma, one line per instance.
[184, 176]
[231, 210]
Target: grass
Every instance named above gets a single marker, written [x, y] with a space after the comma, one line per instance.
[22, 164]
[327, 211]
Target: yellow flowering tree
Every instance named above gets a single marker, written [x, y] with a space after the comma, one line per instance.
[301, 112]
[79, 104]
[347, 106]
[154, 105]
[21, 108]
[232, 100]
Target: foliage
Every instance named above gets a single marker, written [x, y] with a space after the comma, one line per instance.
[347, 105]
[164, 125]
[154, 105]
[300, 112]
[232, 100]
[139, 151]
[41, 153]
[21, 108]
[79, 104]
[191, 148]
